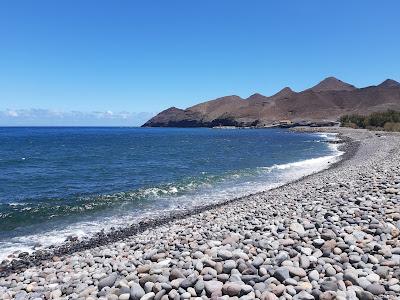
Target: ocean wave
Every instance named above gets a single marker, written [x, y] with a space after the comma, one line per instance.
[308, 163]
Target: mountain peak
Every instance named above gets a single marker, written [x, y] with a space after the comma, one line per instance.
[332, 84]
[256, 97]
[389, 83]
[172, 109]
[285, 92]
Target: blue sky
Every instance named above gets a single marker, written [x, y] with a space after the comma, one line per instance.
[97, 62]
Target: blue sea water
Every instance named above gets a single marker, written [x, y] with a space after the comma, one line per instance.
[56, 182]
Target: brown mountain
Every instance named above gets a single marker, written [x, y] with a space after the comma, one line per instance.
[326, 101]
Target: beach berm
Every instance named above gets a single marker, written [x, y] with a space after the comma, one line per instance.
[330, 235]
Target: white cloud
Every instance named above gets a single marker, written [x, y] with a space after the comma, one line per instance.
[12, 113]
[47, 117]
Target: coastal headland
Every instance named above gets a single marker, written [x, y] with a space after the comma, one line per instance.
[330, 235]
[320, 105]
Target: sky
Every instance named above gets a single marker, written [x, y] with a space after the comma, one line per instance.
[116, 62]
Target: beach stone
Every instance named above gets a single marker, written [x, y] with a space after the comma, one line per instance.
[328, 247]
[287, 242]
[372, 277]
[112, 297]
[192, 292]
[173, 294]
[313, 275]
[223, 277]
[264, 244]
[199, 287]
[329, 295]
[330, 271]
[175, 274]
[231, 239]
[188, 282]
[247, 289]
[148, 296]
[268, 296]
[382, 271]
[166, 286]
[392, 191]
[364, 295]
[148, 278]
[143, 269]
[395, 288]
[291, 290]
[281, 274]
[257, 262]
[376, 289]
[55, 294]
[137, 292]
[298, 228]
[213, 286]
[107, 281]
[307, 251]
[318, 242]
[295, 271]
[303, 295]
[354, 259]
[303, 285]
[148, 286]
[329, 285]
[328, 235]
[225, 254]
[351, 276]
[231, 289]
[260, 286]
[124, 297]
[290, 281]
[363, 282]
[209, 263]
[229, 265]
[279, 289]
[304, 262]
[235, 278]
[21, 295]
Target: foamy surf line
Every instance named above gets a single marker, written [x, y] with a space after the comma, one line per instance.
[283, 174]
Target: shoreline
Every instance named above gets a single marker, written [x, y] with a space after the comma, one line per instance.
[307, 239]
[103, 238]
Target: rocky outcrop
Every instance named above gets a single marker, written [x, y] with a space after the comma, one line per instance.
[325, 102]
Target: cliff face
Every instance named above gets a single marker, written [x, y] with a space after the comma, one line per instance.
[326, 101]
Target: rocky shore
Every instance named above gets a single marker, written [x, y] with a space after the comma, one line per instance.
[331, 235]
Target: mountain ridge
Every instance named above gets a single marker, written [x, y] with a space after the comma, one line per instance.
[324, 102]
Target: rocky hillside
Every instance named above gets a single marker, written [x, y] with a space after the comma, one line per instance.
[326, 101]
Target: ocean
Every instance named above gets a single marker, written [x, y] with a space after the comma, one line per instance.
[75, 181]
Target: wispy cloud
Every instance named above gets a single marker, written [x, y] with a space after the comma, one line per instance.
[47, 117]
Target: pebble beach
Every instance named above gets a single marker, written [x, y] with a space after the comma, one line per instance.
[331, 235]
